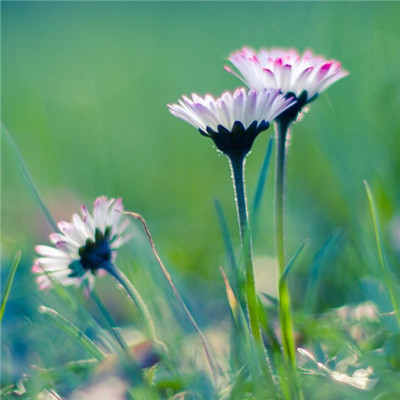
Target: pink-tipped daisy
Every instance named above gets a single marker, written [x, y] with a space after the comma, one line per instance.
[302, 75]
[232, 120]
[84, 246]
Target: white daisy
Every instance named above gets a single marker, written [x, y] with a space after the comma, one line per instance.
[232, 120]
[302, 75]
[84, 246]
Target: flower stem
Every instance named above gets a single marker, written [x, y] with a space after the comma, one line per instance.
[285, 315]
[237, 167]
[121, 278]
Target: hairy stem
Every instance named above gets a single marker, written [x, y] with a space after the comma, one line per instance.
[237, 167]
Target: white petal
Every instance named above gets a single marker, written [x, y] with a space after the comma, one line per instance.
[69, 231]
[99, 212]
[52, 264]
[51, 252]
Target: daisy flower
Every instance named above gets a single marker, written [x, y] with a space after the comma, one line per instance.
[232, 120]
[83, 247]
[302, 75]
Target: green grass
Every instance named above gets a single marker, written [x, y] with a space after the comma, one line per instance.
[9, 284]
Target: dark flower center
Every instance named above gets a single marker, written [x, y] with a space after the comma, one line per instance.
[238, 141]
[94, 254]
[290, 114]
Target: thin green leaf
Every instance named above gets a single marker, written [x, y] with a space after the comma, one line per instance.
[290, 263]
[268, 328]
[9, 283]
[381, 252]
[27, 176]
[69, 328]
[273, 300]
[110, 323]
[317, 264]
[322, 253]
[238, 382]
[230, 254]
[262, 179]
[286, 319]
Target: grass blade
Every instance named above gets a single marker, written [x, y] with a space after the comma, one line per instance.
[316, 267]
[262, 179]
[27, 176]
[290, 263]
[9, 283]
[286, 322]
[273, 300]
[381, 252]
[230, 254]
[110, 323]
[70, 329]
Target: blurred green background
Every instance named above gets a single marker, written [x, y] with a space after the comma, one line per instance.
[84, 93]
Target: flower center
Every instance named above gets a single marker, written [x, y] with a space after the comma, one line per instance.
[236, 142]
[290, 114]
[94, 254]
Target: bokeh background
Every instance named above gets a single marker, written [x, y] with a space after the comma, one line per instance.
[84, 93]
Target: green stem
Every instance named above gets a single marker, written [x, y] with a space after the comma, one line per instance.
[285, 314]
[237, 167]
[147, 321]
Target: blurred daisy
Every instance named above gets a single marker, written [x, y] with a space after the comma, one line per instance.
[232, 120]
[304, 76]
[84, 246]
